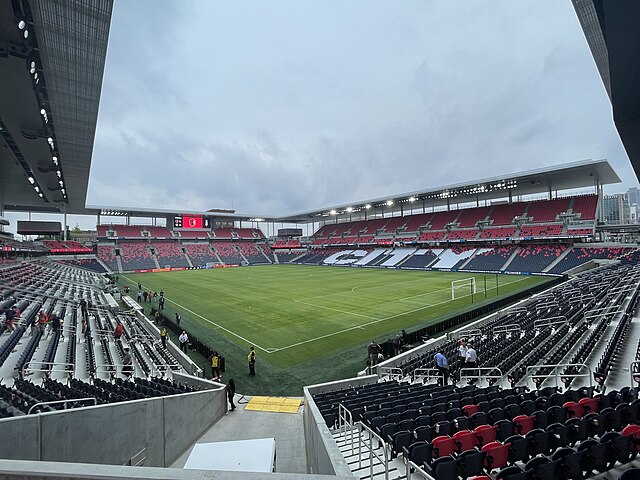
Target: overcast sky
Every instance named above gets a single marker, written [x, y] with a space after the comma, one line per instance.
[284, 106]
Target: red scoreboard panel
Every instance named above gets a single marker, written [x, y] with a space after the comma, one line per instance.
[190, 221]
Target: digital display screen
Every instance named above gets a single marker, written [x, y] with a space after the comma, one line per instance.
[190, 221]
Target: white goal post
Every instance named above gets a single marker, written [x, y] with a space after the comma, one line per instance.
[466, 285]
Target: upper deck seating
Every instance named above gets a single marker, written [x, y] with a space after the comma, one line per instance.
[543, 211]
[158, 232]
[503, 214]
[586, 206]
[498, 232]
[469, 217]
[549, 230]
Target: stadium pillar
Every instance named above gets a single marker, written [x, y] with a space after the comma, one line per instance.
[64, 225]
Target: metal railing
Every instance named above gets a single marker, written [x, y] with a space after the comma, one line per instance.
[345, 419]
[394, 373]
[481, 374]
[47, 366]
[65, 402]
[512, 327]
[383, 459]
[417, 469]
[427, 374]
[634, 371]
[555, 372]
[548, 322]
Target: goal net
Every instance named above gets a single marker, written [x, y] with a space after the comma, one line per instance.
[463, 287]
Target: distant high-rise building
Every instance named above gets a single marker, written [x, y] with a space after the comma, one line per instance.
[615, 208]
[634, 196]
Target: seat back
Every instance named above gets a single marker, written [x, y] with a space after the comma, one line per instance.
[496, 454]
[443, 446]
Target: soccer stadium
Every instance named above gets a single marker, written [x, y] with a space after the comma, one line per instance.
[486, 329]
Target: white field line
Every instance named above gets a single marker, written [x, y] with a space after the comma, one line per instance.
[361, 326]
[376, 321]
[266, 350]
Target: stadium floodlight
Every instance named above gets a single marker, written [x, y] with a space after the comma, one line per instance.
[333, 212]
[55, 160]
[31, 180]
[64, 192]
[61, 183]
[26, 34]
[59, 173]
[367, 206]
[412, 199]
[40, 195]
[349, 209]
[43, 112]
[389, 203]
[22, 24]
[36, 188]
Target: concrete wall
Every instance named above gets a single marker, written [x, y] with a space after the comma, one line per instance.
[323, 455]
[152, 432]
[24, 470]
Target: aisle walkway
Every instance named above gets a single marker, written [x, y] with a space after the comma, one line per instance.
[243, 424]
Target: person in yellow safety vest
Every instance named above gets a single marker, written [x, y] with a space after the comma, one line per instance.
[163, 336]
[215, 366]
[252, 361]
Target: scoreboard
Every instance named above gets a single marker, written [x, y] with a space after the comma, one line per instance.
[190, 221]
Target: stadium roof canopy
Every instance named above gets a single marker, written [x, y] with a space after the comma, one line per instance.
[569, 176]
[544, 181]
[52, 57]
[612, 29]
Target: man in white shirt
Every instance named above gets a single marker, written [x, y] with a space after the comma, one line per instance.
[471, 360]
[184, 341]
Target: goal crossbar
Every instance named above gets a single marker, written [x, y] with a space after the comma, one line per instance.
[468, 286]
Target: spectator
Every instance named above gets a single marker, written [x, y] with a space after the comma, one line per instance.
[145, 295]
[155, 296]
[184, 341]
[373, 350]
[127, 363]
[156, 317]
[139, 297]
[43, 318]
[117, 333]
[161, 303]
[442, 364]
[471, 361]
[9, 317]
[178, 318]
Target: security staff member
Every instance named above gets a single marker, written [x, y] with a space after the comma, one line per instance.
[442, 365]
[252, 361]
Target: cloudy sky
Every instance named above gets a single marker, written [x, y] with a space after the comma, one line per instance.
[288, 105]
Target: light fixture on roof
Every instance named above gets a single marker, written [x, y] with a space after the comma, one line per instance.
[64, 192]
[36, 188]
[55, 160]
[389, 203]
[61, 183]
[59, 173]
[40, 195]
[333, 212]
[412, 199]
[43, 112]
[31, 180]
[349, 209]
[22, 24]
[26, 34]
[367, 206]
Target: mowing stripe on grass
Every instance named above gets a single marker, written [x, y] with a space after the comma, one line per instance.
[346, 312]
[266, 350]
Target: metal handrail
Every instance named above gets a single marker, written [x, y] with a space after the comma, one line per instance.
[345, 417]
[635, 376]
[430, 374]
[65, 402]
[385, 461]
[511, 327]
[476, 332]
[394, 372]
[557, 374]
[417, 469]
[476, 373]
[547, 322]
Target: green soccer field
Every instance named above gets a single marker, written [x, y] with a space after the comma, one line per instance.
[301, 319]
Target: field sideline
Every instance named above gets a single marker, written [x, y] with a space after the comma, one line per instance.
[296, 315]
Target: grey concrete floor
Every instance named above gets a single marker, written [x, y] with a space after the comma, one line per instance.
[241, 424]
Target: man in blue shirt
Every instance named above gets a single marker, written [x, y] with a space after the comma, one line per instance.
[443, 367]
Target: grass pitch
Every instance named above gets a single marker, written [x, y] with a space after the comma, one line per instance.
[311, 324]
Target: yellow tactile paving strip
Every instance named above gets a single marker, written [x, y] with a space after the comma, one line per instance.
[274, 404]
